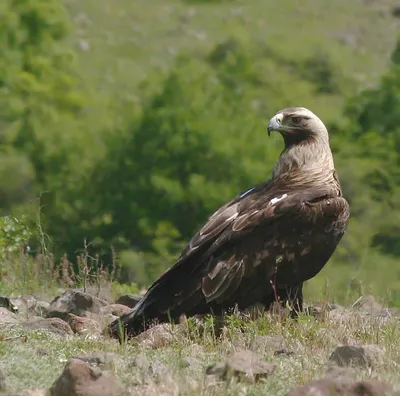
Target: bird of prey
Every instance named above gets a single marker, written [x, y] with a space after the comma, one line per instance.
[263, 244]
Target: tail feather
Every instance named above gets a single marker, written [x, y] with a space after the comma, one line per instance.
[157, 307]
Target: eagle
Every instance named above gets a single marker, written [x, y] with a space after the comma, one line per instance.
[261, 246]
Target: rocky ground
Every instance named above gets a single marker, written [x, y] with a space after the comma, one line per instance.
[58, 348]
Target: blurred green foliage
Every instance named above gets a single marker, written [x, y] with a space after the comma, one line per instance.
[14, 235]
[133, 143]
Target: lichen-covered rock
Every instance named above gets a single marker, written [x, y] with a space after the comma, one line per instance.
[84, 326]
[54, 325]
[161, 335]
[7, 316]
[362, 356]
[244, 364]
[79, 379]
[104, 360]
[77, 302]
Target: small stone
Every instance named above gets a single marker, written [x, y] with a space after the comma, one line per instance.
[244, 364]
[54, 325]
[36, 392]
[84, 326]
[79, 379]
[31, 305]
[104, 360]
[371, 388]
[130, 300]
[322, 387]
[25, 303]
[161, 335]
[77, 302]
[115, 309]
[7, 316]
[363, 356]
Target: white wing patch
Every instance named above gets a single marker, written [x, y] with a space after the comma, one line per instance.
[243, 194]
[232, 217]
[277, 199]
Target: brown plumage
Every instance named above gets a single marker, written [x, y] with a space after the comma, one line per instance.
[264, 243]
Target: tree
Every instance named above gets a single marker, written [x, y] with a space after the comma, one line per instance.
[37, 93]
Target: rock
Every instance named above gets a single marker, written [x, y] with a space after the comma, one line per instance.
[54, 325]
[63, 315]
[130, 300]
[31, 304]
[84, 326]
[104, 360]
[23, 303]
[364, 356]
[79, 379]
[77, 303]
[41, 308]
[322, 387]
[244, 364]
[36, 392]
[329, 387]
[370, 388]
[7, 316]
[103, 292]
[6, 302]
[161, 335]
[115, 309]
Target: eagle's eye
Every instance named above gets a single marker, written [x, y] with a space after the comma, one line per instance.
[296, 120]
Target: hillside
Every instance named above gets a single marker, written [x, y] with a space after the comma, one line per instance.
[135, 120]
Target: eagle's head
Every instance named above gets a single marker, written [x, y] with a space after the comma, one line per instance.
[298, 124]
[306, 145]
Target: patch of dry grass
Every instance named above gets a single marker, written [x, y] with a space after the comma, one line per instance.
[178, 364]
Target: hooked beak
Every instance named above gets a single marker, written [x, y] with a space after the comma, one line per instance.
[275, 124]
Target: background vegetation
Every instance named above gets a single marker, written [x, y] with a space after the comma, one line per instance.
[125, 124]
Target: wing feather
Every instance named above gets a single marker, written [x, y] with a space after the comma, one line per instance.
[218, 279]
[224, 277]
